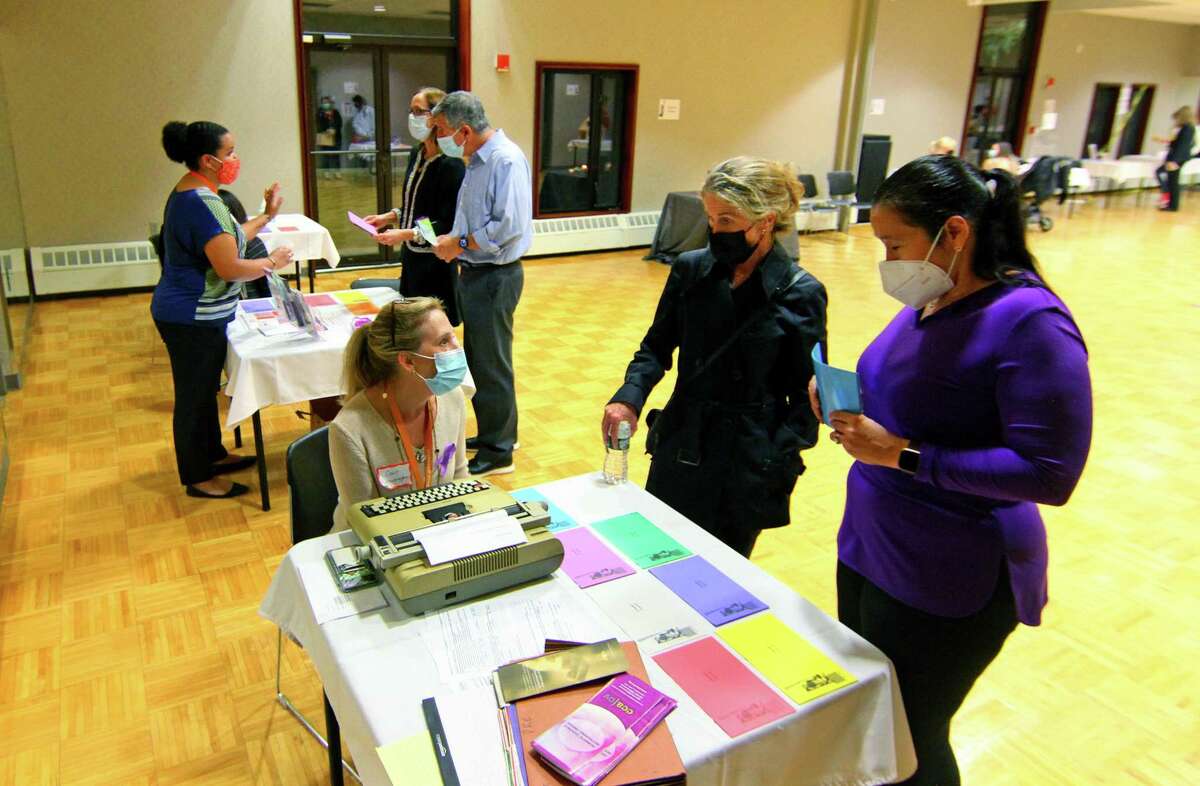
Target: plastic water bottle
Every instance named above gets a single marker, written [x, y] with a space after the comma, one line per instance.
[616, 460]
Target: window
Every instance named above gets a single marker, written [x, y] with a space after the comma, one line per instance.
[583, 148]
[1005, 63]
[1117, 120]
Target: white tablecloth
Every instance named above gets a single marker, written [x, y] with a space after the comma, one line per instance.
[310, 240]
[376, 669]
[1121, 171]
[263, 371]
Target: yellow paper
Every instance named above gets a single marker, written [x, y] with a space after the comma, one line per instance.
[410, 760]
[351, 297]
[784, 657]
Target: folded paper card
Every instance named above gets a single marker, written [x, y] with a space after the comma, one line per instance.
[785, 658]
[707, 590]
[410, 760]
[728, 692]
[837, 387]
[363, 308]
[587, 744]
[351, 296]
[558, 519]
[649, 613]
[361, 224]
[258, 304]
[587, 561]
[321, 299]
[641, 541]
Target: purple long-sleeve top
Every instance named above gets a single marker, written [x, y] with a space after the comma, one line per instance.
[995, 388]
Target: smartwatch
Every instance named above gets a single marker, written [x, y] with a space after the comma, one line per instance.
[910, 458]
[463, 241]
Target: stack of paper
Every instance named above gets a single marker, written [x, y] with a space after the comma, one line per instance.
[708, 590]
[641, 541]
[588, 561]
[785, 658]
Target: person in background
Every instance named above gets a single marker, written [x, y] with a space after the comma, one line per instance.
[404, 422]
[431, 187]
[726, 453]
[196, 296]
[255, 248]
[493, 228]
[977, 408]
[1000, 156]
[1179, 150]
[329, 133]
[943, 146]
[362, 122]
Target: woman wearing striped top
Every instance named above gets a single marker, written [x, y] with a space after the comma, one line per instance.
[197, 294]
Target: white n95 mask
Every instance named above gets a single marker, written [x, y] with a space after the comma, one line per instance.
[916, 283]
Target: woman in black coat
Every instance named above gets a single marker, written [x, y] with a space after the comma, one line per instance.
[745, 317]
[431, 186]
[1179, 150]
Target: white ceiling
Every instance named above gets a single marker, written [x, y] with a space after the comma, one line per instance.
[1184, 12]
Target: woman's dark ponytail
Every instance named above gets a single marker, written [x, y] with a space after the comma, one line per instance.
[185, 143]
[927, 191]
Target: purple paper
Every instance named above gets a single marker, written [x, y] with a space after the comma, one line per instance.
[258, 304]
[588, 743]
[361, 224]
[588, 561]
[708, 590]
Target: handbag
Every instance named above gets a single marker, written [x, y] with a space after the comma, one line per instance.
[657, 419]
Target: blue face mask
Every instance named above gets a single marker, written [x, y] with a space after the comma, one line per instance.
[450, 147]
[451, 370]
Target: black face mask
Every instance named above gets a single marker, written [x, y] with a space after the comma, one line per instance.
[730, 248]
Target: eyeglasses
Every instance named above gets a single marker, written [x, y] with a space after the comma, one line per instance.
[420, 112]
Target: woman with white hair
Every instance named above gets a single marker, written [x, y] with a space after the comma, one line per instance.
[744, 317]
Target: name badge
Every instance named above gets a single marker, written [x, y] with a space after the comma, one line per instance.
[394, 477]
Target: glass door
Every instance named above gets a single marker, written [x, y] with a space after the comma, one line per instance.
[359, 142]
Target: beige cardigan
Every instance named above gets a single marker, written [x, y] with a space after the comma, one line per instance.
[360, 440]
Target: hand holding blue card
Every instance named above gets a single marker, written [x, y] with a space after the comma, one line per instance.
[837, 387]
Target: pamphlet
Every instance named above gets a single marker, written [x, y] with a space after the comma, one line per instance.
[560, 669]
[837, 387]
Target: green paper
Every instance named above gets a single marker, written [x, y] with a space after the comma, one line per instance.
[641, 541]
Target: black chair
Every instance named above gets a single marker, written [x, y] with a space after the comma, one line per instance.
[811, 203]
[313, 495]
[842, 195]
[366, 283]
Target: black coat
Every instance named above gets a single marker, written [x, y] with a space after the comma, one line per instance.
[435, 197]
[729, 452]
[1180, 149]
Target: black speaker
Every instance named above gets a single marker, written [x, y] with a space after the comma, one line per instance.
[873, 158]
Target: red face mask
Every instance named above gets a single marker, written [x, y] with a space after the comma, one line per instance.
[229, 170]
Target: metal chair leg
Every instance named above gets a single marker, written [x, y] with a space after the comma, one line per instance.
[331, 724]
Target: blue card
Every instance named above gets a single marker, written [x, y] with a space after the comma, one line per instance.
[558, 519]
[707, 590]
[837, 387]
[257, 305]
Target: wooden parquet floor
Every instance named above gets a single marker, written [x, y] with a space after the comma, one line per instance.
[130, 647]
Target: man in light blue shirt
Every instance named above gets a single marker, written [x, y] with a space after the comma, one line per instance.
[362, 123]
[493, 228]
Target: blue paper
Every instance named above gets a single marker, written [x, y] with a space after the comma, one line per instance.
[707, 590]
[257, 305]
[837, 387]
[558, 519]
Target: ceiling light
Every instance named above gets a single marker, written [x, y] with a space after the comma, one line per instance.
[381, 9]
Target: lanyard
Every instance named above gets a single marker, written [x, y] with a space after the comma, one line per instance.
[419, 473]
[211, 185]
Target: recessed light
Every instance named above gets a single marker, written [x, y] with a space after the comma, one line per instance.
[381, 9]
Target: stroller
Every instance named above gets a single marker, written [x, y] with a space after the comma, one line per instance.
[1039, 183]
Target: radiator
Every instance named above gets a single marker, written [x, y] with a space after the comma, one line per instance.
[12, 268]
[593, 233]
[94, 267]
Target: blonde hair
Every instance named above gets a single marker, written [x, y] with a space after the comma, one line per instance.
[757, 187]
[371, 353]
[943, 145]
[1184, 115]
[432, 95]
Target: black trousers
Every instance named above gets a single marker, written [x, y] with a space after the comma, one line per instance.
[1168, 182]
[489, 297]
[197, 357]
[937, 660]
[424, 275]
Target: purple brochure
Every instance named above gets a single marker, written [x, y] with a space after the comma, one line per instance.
[708, 590]
[258, 304]
[593, 739]
[588, 561]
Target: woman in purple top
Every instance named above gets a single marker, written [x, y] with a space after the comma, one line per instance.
[977, 407]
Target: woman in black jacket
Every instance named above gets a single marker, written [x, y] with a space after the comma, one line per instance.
[745, 317]
[1179, 150]
[431, 186]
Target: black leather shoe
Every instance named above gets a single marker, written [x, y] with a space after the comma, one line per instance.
[235, 491]
[490, 465]
[245, 462]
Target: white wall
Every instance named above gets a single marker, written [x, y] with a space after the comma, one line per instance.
[924, 51]
[91, 83]
[760, 78]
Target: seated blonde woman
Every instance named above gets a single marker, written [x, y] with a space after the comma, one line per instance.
[404, 422]
[943, 146]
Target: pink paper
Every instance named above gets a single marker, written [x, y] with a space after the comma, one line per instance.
[363, 225]
[729, 692]
[320, 300]
[588, 561]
